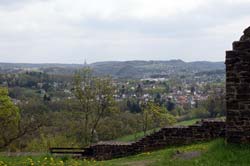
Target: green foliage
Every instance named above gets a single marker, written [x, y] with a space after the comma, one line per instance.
[9, 118]
[118, 125]
[178, 111]
[96, 100]
[46, 141]
[154, 116]
[23, 93]
[198, 113]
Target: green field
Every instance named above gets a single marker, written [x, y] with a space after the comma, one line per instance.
[187, 122]
[136, 136]
[213, 153]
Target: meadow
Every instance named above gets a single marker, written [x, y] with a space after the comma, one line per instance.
[212, 153]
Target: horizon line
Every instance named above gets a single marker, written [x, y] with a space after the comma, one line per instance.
[2, 62]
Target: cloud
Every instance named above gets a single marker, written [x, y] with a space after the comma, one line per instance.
[65, 31]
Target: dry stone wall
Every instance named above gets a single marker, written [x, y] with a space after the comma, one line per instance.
[238, 90]
[203, 131]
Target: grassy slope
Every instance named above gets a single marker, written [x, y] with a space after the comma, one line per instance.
[133, 137]
[187, 122]
[213, 153]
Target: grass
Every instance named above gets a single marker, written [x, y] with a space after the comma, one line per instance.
[187, 122]
[136, 136]
[213, 153]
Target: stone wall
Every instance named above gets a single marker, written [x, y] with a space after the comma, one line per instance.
[238, 90]
[203, 131]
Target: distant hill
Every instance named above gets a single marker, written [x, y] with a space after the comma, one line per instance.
[122, 69]
[142, 69]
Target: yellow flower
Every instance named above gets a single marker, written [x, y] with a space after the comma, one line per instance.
[61, 162]
[2, 163]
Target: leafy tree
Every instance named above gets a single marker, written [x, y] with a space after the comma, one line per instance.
[133, 105]
[215, 105]
[154, 116]
[170, 105]
[192, 90]
[96, 99]
[9, 118]
[158, 99]
[13, 125]
[139, 91]
[211, 106]
[197, 113]
[84, 93]
[167, 87]
[178, 111]
[104, 101]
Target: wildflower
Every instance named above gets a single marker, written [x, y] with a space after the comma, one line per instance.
[61, 162]
[2, 163]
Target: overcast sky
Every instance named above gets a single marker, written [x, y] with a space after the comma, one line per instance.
[66, 31]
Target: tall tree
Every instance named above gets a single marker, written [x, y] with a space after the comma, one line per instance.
[96, 99]
[9, 118]
[13, 125]
[103, 100]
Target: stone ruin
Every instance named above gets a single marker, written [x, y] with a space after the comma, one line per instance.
[236, 129]
[204, 130]
[238, 91]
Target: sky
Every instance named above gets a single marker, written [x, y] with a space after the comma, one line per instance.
[68, 31]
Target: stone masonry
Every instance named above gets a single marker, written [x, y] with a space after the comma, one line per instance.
[202, 131]
[238, 90]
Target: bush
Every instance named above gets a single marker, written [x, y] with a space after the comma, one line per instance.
[195, 113]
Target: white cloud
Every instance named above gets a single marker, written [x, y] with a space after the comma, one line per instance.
[66, 30]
